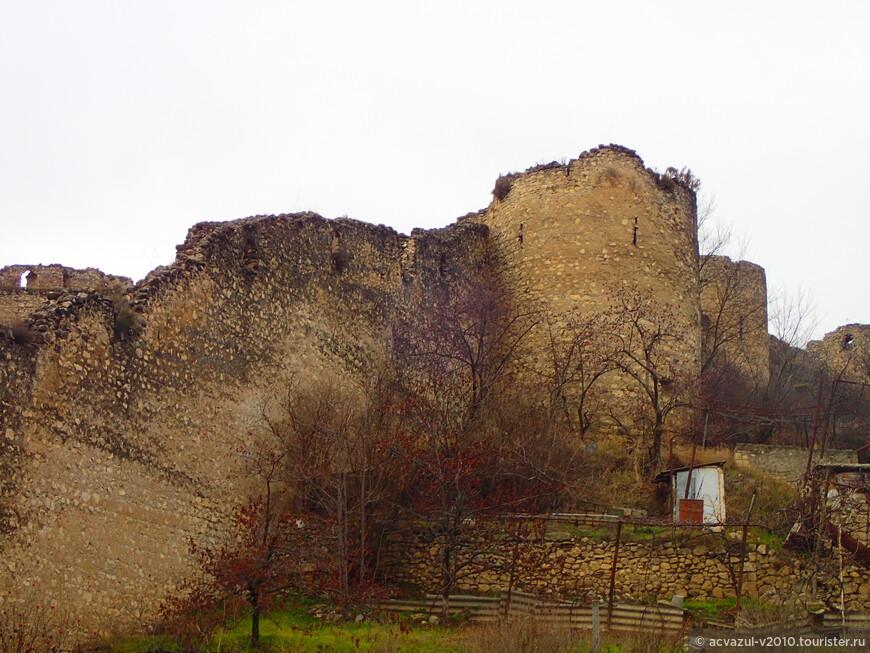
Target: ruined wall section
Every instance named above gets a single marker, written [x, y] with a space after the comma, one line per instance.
[16, 305]
[17, 368]
[788, 464]
[586, 235]
[125, 442]
[734, 317]
[17, 301]
[846, 352]
[59, 277]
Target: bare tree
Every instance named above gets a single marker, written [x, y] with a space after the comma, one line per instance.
[580, 352]
[468, 337]
[461, 473]
[793, 317]
[649, 353]
[329, 442]
[794, 374]
[716, 237]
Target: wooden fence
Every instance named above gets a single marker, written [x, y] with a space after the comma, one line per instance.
[661, 617]
[833, 620]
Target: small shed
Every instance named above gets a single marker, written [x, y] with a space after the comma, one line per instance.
[704, 503]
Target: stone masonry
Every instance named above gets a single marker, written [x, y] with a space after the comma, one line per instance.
[693, 565]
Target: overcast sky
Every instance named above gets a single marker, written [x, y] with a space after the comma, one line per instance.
[124, 123]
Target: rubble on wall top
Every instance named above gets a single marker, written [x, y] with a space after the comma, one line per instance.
[473, 215]
[664, 181]
[202, 233]
[205, 238]
[835, 337]
[588, 154]
[727, 260]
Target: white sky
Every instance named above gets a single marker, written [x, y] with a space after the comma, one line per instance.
[124, 123]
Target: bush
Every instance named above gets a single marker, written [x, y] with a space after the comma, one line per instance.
[611, 175]
[502, 187]
[684, 177]
[774, 499]
[521, 636]
[127, 322]
[28, 627]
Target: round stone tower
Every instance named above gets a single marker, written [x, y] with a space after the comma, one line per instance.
[576, 236]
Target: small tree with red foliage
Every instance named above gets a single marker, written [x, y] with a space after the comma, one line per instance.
[272, 552]
[316, 463]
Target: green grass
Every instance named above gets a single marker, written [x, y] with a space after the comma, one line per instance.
[603, 533]
[647, 533]
[295, 630]
[286, 633]
[710, 608]
[722, 609]
[772, 540]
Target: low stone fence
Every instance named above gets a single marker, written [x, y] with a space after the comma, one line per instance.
[787, 464]
[692, 564]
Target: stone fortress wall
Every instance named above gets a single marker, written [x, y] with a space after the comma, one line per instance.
[56, 277]
[788, 464]
[120, 439]
[734, 315]
[117, 448]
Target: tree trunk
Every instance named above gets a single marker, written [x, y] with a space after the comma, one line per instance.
[446, 581]
[255, 619]
[656, 450]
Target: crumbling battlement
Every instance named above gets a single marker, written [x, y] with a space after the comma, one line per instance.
[58, 277]
[846, 352]
[24, 288]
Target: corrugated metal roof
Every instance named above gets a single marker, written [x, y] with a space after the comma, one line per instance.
[666, 474]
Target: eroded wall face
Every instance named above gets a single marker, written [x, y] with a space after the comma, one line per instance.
[587, 237]
[123, 441]
[15, 305]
